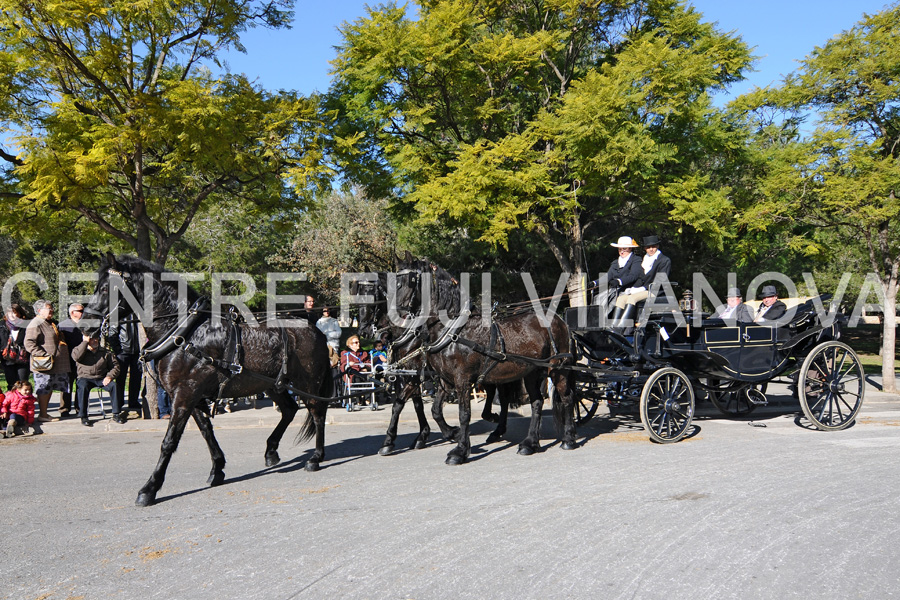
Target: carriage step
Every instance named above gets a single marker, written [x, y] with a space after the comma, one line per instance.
[756, 397]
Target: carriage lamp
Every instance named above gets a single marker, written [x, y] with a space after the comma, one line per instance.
[687, 301]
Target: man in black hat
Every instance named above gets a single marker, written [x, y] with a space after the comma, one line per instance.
[771, 308]
[653, 265]
[734, 309]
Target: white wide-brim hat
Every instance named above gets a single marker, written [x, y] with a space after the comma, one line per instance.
[625, 242]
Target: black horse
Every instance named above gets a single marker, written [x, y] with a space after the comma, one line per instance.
[405, 344]
[506, 350]
[404, 350]
[198, 359]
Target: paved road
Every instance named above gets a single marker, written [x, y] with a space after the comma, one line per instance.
[736, 511]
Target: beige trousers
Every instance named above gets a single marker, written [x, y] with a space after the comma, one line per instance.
[634, 298]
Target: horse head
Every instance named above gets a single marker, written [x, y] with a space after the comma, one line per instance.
[121, 288]
[373, 317]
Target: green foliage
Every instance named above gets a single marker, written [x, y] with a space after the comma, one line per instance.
[343, 233]
[834, 193]
[490, 115]
[119, 123]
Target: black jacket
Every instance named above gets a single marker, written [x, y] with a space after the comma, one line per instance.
[660, 265]
[775, 311]
[124, 339]
[623, 277]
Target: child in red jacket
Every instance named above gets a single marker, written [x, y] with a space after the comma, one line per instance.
[18, 407]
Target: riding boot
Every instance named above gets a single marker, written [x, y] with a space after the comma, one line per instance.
[617, 313]
[628, 314]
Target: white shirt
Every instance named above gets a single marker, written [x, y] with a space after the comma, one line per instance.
[647, 262]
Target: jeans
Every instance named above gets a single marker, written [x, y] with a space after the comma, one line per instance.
[83, 391]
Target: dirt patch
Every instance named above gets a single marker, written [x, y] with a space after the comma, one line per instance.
[872, 421]
[322, 490]
[148, 554]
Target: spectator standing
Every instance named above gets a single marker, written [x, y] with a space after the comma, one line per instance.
[97, 367]
[43, 339]
[72, 335]
[312, 314]
[331, 328]
[17, 407]
[126, 345]
[12, 335]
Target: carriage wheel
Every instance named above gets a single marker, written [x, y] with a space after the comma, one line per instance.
[585, 409]
[667, 405]
[732, 402]
[831, 386]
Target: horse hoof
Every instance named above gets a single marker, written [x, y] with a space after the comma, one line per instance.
[145, 499]
[568, 445]
[525, 450]
[215, 479]
[454, 460]
[419, 445]
[492, 418]
[494, 438]
[385, 450]
[311, 466]
[272, 459]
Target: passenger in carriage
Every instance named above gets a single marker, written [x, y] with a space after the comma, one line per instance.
[654, 264]
[734, 309]
[771, 308]
[624, 270]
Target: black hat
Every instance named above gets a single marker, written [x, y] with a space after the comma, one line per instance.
[651, 240]
[768, 291]
[734, 293]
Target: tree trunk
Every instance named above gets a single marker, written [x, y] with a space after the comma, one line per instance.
[889, 338]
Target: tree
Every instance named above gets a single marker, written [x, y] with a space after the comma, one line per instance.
[344, 233]
[119, 123]
[843, 177]
[556, 116]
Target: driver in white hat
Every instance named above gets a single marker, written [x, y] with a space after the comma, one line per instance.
[624, 270]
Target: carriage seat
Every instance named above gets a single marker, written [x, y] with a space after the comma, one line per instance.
[789, 302]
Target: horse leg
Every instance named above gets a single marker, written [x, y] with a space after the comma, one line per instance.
[317, 410]
[463, 448]
[396, 408]
[486, 412]
[532, 442]
[451, 434]
[147, 494]
[504, 391]
[564, 409]
[217, 473]
[424, 429]
[288, 407]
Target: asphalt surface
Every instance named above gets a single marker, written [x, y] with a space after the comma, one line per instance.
[763, 507]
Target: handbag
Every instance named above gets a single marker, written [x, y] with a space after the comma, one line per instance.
[14, 352]
[41, 364]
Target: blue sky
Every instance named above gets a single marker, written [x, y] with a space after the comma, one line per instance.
[781, 33]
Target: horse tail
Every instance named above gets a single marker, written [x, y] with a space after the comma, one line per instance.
[316, 408]
[308, 430]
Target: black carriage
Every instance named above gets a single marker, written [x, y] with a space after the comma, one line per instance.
[669, 361]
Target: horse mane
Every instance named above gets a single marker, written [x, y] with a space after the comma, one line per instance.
[445, 290]
[165, 293]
